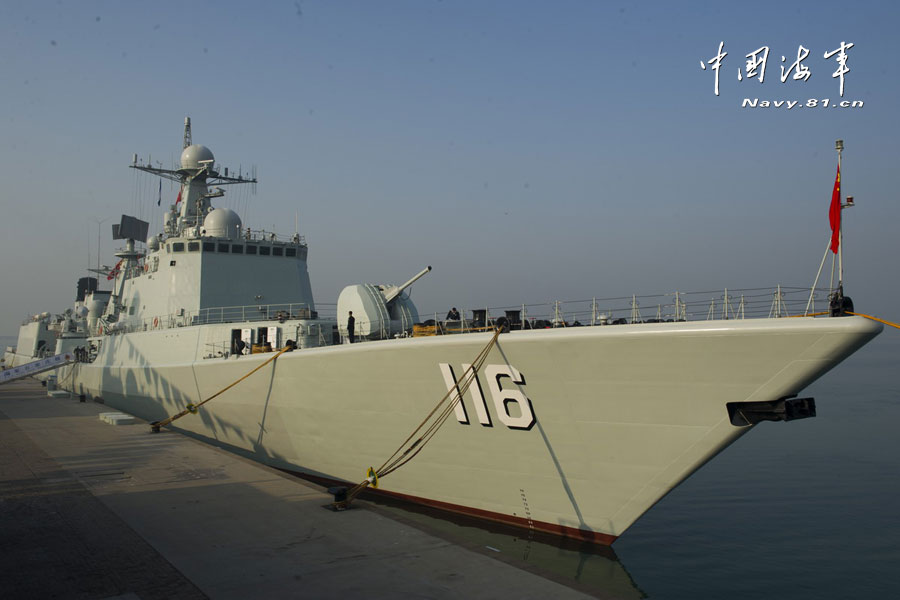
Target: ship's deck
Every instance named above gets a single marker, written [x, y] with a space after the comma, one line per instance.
[96, 511]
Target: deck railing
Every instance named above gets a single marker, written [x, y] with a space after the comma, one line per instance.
[213, 315]
[725, 304]
[745, 303]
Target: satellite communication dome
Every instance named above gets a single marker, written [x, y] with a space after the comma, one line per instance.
[153, 243]
[192, 155]
[222, 222]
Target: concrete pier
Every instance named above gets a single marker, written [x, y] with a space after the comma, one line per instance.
[91, 510]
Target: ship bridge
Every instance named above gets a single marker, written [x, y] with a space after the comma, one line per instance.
[204, 257]
[183, 275]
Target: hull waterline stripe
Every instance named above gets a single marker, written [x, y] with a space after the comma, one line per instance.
[552, 529]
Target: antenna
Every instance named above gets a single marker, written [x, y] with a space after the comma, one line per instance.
[187, 132]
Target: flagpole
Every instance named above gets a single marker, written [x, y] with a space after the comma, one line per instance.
[812, 290]
[839, 146]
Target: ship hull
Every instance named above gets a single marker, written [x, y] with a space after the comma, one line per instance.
[575, 431]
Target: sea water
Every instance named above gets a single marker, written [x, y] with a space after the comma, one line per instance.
[804, 509]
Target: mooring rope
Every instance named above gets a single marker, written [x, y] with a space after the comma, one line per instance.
[70, 378]
[192, 408]
[874, 319]
[852, 313]
[428, 427]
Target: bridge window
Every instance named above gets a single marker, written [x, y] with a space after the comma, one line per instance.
[277, 251]
[290, 252]
[264, 250]
[178, 247]
[193, 246]
[223, 247]
[237, 249]
[209, 246]
[251, 249]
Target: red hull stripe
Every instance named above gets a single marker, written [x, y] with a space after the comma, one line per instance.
[592, 537]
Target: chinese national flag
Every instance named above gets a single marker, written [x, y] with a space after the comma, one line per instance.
[115, 271]
[178, 199]
[834, 213]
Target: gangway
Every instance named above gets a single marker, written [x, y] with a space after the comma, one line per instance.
[35, 367]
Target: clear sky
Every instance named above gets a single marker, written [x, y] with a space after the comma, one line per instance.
[530, 151]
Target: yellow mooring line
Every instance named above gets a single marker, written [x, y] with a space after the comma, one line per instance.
[850, 313]
[874, 319]
[425, 431]
[192, 408]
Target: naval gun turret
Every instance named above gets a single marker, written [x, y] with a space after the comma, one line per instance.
[379, 311]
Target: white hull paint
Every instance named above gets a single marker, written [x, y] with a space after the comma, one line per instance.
[622, 413]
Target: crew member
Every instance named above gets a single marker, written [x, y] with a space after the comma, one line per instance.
[351, 326]
[453, 315]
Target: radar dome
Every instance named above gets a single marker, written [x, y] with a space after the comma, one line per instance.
[192, 155]
[222, 222]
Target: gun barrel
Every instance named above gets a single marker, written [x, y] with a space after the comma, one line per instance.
[397, 290]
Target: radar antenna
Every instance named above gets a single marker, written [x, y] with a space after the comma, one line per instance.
[207, 170]
[187, 132]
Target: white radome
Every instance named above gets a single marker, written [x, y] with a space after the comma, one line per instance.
[222, 223]
[192, 155]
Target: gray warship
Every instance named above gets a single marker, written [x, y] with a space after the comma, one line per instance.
[572, 431]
